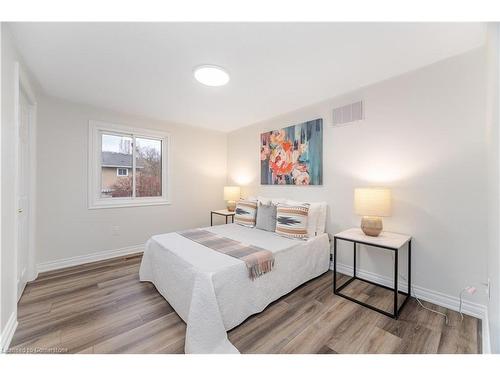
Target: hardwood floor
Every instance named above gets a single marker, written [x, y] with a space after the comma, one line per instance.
[103, 308]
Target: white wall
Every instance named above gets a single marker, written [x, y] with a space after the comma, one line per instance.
[493, 83]
[424, 136]
[66, 228]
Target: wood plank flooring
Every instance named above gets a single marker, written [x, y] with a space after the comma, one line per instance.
[103, 308]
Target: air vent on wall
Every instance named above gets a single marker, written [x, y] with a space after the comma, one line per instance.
[348, 113]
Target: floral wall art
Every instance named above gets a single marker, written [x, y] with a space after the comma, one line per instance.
[292, 155]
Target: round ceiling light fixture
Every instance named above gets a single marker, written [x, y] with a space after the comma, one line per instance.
[211, 75]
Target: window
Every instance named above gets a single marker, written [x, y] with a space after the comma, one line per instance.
[121, 172]
[127, 166]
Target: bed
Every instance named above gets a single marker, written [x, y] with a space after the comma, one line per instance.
[212, 292]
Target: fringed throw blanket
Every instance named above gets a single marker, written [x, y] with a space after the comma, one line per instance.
[258, 260]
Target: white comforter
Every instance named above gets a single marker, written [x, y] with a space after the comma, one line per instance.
[213, 293]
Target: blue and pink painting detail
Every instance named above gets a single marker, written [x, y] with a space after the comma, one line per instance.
[292, 155]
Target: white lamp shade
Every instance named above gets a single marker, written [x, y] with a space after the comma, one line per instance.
[372, 201]
[231, 193]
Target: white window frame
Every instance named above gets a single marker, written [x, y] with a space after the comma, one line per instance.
[95, 201]
[121, 175]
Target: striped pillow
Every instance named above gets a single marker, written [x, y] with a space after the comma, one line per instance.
[245, 213]
[291, 220]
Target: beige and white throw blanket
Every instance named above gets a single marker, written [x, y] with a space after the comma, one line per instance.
[258, 261]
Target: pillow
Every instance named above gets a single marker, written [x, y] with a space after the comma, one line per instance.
[321, 225]
[275, 201]
[245, 213]
[291, 220]
[266, 217]
[316, 218]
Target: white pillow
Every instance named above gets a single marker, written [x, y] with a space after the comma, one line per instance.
[321, 226]
[316, 218]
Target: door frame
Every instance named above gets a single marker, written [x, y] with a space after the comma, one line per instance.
[22, 83]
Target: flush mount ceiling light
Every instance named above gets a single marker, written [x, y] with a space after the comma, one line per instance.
[211, 75]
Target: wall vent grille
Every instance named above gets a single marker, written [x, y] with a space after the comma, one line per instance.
[348, 113]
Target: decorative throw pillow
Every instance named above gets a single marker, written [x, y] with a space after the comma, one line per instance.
[316, 218]
[245, 213]
[266, 217]
[291, 220]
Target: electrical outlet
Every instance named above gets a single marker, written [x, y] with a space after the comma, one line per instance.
[115, 230]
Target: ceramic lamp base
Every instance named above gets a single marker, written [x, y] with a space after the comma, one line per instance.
[231, 206]
[371, 225]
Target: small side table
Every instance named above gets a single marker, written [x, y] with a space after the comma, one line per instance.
[225, 213]
[386, 240]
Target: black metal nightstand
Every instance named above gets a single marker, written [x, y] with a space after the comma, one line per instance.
[225, 213]
[388, 241]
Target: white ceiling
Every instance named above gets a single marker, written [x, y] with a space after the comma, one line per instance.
[146, 68]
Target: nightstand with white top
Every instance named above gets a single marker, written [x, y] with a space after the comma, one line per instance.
[225, 213]
[386, 240]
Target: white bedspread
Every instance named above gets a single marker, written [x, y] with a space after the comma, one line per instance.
[213, 293]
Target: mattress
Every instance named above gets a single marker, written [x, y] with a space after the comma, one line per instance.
[213, 293]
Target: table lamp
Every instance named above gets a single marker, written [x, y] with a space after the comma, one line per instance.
[231, 195]
[372, 204]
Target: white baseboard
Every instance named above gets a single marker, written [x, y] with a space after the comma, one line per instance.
[8, 332]
[21, 284]
[94, 257]
[450, 302]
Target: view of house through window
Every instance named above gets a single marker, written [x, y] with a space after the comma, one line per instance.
[117, 167]
[116, 155]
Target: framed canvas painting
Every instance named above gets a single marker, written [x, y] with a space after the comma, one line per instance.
[292, 155]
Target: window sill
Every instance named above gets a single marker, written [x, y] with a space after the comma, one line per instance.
[100, 205]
